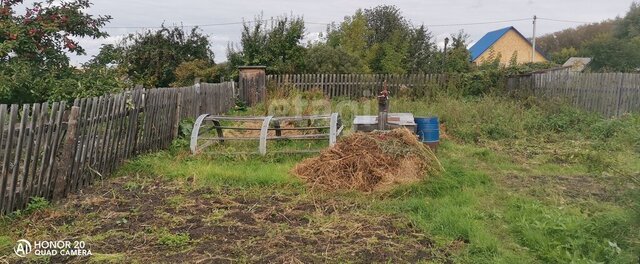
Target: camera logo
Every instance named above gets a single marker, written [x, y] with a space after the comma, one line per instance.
[22, 248]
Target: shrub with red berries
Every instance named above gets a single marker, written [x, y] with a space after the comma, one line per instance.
[45, 31]
[34, 42]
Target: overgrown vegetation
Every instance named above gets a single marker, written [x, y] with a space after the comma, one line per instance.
[568, 180]
[169, 56]
[524, 181]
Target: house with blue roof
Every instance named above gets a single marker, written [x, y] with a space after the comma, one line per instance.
[505, 44]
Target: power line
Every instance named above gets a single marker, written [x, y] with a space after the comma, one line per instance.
[209, 25]
[478, 23]
[562, 20]
[321, 23]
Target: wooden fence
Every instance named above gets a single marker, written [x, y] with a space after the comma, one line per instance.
[49, 150]
[609, 94]
[360, 85]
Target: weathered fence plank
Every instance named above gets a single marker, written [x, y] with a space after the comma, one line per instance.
[609, 94]
[68, 154]
[355, 86]
[39, 130]
[48, 133]
[24, 185]
[48, 152]
[4, 201]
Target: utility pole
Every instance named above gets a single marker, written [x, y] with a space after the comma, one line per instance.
[444, 57]
[533, 51]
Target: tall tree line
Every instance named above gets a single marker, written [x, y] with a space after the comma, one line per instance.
[374, 40]
[34, 65]
[614, 45]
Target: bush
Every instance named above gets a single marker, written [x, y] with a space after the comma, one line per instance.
[188, 71]
[35, 204]
[560, 117]
[618, 132]
[26, 82]
[179, 240]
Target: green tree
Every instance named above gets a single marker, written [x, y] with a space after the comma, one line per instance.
[613, 44]
[34, 65]
[109, 55]
[152, 57]
[458, 57]
[188, 71]
[422, 52]
[385, 22]
[323, 58]
[278, 46]
[351, 36]
[613, 54]
[44, 33]
[563, 55]
[386, 42]
[389, 56]
[88, 82]
[629, 26]
[573, 37]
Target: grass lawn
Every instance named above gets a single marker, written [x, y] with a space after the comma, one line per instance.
[558, 199]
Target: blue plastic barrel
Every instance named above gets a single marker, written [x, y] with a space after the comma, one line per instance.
[428, 129]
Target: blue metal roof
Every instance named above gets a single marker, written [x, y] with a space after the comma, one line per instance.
[486, 41]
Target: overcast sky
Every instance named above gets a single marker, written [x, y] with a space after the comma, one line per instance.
[141, 13]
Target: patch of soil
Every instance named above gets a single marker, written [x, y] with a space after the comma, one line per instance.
[256, 126]
[226, 225]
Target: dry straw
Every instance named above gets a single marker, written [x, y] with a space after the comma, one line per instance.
[370, 161]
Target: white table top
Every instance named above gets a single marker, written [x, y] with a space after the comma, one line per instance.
[403, 119]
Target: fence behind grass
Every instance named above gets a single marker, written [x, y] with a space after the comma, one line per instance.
[50, 150]
[360, 85]
[609, 94]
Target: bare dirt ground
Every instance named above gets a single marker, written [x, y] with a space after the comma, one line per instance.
[149, 220]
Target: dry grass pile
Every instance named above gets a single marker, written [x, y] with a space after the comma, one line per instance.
[370, 161]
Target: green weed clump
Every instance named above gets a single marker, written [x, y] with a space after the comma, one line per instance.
[566, 235]
[6, 243]
[35, 204]
[176, 241]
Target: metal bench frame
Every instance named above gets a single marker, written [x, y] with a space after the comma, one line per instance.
[268, 123]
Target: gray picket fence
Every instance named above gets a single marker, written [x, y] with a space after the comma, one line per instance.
[51, 150]
[355, 86]
[609, 94]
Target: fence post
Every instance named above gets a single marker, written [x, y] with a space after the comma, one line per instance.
[235, 93]
[252, 81]
[67, 153]
[196, 85]
[620, 91]
[176, 124]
